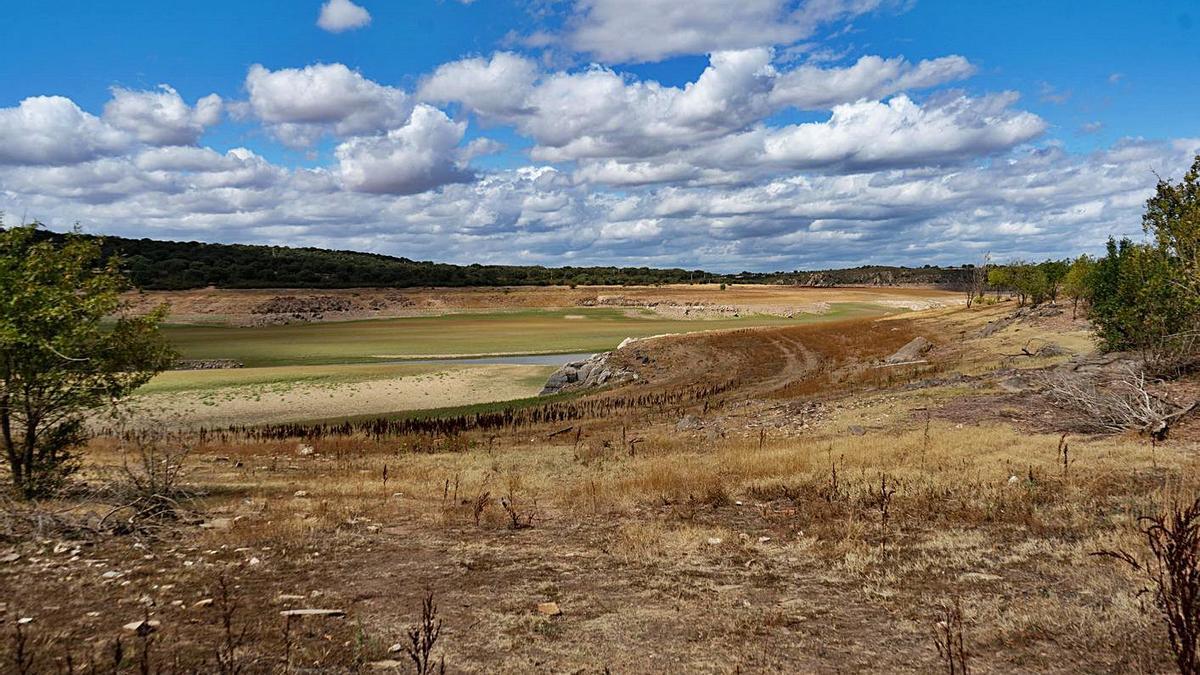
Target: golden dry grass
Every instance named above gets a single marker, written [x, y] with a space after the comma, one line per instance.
[742, 551]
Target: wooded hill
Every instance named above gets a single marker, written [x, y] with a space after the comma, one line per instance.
[173, 265]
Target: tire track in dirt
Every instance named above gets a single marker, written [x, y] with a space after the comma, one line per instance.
[762, 362]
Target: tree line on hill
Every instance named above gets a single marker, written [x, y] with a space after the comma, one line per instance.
[171, 265]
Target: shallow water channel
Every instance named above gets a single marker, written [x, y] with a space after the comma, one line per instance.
[514, 360]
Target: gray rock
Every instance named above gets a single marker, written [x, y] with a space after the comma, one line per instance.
[1013, 385]
[913, 351]
[592, 372]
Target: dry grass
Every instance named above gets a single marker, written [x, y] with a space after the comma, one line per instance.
[742, 551]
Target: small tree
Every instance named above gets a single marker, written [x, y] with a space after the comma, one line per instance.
[1055, 271]
[66, 349]
[1077, 284]
[1000, 278]
[1029, 282]
[977, 280]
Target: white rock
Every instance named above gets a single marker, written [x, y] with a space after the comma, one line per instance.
[388, 664]
[142, 627]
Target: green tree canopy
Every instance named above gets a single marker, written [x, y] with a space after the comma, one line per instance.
[1173, 218]
[65, 349]
[1077, 283]
[1147, 296]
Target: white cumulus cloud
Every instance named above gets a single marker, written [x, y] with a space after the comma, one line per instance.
[52, 130]
[496, 88]
[417, 157]
[342, 15]
[301, 104]
[618, 31]
[161, 117]
[874, 134]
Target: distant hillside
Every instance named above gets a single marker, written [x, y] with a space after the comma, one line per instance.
[172, 265]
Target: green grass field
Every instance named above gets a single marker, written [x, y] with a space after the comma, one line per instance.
[516, 332]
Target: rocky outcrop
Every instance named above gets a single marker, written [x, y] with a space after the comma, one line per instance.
[1023, 314]
[286, 304]
[595, 371]
[913, 351]
[290, 308]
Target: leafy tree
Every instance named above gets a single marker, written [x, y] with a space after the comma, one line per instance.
[1055, 271]
[1029, 282]
[1077, 283]
[1000, 278]
[62, 352]
[1134, 302]
[1172, 218]
[1147, 296]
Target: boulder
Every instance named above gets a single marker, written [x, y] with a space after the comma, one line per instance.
[557, 381]
[913, 351]
[592, 372]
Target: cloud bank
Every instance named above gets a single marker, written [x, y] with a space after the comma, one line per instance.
[762, 160]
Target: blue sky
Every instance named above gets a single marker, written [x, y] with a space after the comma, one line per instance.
[569, 132]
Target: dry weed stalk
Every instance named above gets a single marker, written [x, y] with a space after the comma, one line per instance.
[21, 658]
[422, 638]
[232, 641]
[885, 496]
[479, 505]
[948, 638]
[1172, 571]
[1064, 454]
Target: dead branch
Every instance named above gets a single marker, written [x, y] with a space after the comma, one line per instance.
[1126, 403]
